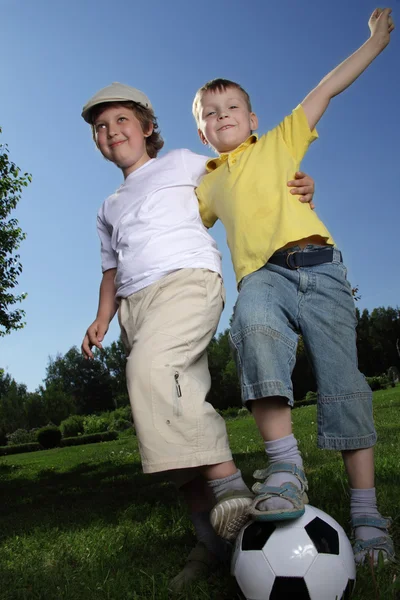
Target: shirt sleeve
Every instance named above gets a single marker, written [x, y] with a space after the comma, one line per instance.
[207, 215]
[296, 133]
[108, 255]
[195, 165]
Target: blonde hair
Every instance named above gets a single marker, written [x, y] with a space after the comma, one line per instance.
[145, 116]
[217, 85]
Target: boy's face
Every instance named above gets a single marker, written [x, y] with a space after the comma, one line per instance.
[225, 121]
[120, 138]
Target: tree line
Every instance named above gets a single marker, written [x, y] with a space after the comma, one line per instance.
[73, 385]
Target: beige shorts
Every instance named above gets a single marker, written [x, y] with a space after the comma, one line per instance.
[166, 329]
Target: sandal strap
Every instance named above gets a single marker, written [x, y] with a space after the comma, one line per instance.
[381, 543]
[368, 521]
[288, 491]
[283, 467]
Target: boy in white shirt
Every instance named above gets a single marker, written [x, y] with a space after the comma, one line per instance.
[162, 272]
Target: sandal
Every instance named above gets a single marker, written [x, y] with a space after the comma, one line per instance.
[287, 491]
[381, 543]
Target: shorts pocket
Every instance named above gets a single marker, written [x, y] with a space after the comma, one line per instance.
[174, 414]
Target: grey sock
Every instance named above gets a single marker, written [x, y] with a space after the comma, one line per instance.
[228, 484]
[206, 535]
[363, 502]
[283, 450]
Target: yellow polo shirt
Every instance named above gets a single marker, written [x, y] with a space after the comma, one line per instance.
[246, 189]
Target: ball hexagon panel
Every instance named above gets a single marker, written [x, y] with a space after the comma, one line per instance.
[291, 552]
[253, 574]
[347, 555]
[327, 577]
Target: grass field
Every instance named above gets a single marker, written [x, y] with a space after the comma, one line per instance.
[84, 523]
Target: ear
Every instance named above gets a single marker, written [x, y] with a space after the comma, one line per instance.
[202, 137]
[253, 121]
[149, 130]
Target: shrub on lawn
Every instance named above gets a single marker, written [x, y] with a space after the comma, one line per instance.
[229, 413]
[243, 412]
[119, 424]
[49, 437]
[309, 399]
[96, 423]
[123, 412]
[379, 382]
[72, 426]
[105, 436]
[394, 375]
[32, 447]
[22, 436]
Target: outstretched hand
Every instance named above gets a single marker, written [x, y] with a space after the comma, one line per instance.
[303, 185]
[381, 25]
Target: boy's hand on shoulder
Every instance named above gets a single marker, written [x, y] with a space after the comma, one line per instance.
[381, 25]
[304, 186]
[93, 337]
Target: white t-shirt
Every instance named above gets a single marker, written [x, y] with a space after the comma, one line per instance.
[151, 225]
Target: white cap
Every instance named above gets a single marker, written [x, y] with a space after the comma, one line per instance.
[116, 92]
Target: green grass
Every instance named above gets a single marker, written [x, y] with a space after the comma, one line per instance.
[84, 523]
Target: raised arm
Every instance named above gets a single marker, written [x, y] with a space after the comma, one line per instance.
[316, 103]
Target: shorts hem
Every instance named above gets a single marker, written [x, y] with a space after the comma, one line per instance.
[266, 389]
[331, 443]
[199, 459]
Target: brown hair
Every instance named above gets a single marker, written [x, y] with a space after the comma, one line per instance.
[145, 116]
[217, 85]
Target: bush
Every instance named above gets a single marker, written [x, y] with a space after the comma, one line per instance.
[96, 423]
[32, 447]
[243, 412]
[105, 436]
[309, 399]
[124, 412]
[22, 436]
[229, 413]
[119, 424]
[72, 426]
[394, 375]
[379, 382]
[49, 437]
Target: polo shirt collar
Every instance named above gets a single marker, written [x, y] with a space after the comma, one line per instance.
[214, 163]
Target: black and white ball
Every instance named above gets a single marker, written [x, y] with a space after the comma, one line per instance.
[309, 558]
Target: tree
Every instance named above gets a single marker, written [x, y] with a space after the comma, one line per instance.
[225, 389]
[113, 357]
[11, 236]
[12, 399]
[87, 381]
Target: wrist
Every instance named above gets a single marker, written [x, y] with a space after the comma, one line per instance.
[378, 42]
[103, 318]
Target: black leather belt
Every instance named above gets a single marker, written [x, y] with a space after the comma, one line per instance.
[298, 258]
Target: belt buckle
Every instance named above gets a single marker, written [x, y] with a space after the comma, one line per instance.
[288, 255]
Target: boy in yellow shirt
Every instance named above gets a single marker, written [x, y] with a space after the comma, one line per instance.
[291, 279]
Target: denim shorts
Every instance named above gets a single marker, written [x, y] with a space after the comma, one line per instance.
[274, 305]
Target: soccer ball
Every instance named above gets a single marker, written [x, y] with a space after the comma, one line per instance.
[309, 558]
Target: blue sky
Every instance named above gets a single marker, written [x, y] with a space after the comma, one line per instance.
[58, 54]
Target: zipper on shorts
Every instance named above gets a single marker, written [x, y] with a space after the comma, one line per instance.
[177, 403]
